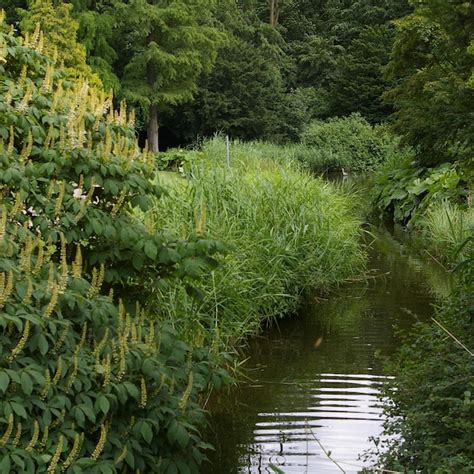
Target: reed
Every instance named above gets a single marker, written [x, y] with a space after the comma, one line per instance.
[445, 227]
[286, 232]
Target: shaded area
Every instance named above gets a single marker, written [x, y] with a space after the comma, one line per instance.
[316, 377]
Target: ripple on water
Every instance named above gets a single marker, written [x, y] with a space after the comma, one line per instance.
[338, 413]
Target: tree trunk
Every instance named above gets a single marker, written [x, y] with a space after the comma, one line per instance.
[153, 128]
[274, 12]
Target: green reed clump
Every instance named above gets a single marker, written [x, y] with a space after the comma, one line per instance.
[286, 233]
[444, 227]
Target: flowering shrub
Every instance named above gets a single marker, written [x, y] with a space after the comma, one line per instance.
[90, 381]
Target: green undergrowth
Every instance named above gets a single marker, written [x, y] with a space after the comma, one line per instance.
[430, 402]
[347, 142]
[285, 232]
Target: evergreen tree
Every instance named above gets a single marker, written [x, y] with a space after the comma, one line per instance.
[165, 47]
[433, 60]
[244, 94]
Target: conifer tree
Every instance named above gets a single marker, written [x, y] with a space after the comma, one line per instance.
[166, 46]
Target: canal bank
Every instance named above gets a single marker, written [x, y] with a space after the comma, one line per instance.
[311, 404]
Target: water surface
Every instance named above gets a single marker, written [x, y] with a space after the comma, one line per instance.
[311, 403]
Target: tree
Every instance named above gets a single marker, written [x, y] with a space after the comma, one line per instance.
[433, 59]
[166, 46]
[60, 32]
[244, 94]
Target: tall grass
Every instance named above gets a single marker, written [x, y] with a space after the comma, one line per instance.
[286, 233]
[445, 227]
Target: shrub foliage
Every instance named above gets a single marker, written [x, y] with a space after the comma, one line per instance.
[88, 382]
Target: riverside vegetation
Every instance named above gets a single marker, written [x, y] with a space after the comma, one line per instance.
[124, 292]
[105, 362]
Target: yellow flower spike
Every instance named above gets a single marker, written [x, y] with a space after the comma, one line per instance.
[40, 46]
[111, 295]
[64, 266]
[118, 203]
[45, 437]
[47, 385]
[26, 151]
[34, 437]
[82, 341]
[6, 436]
[100, 278]
[101, 443]
[93, 286]
[72, 376]
[143, 393]
[184, 400]
[47, 85]
[134, 334]
[3, 223]
[59, 371]
[29, 291]
[17, 206]
[122, 455]
[123, 361]
[107, 370]
[22, 78]
[78, 439]
[108, 142]
[77, 264]
[11, 141]
[100, 346]
[62, 139]
[17, 437]
[22, 107]
[60, 198]
[52, 302]
[36, 35]
[56, 456]
[49, 138]
[7, 291]
[61, 339]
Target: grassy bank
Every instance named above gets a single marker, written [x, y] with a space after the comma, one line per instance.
[286, 233]
[428, 403]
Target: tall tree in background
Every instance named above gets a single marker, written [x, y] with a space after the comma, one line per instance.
[165, 47]
[244, 93]
[433, 62]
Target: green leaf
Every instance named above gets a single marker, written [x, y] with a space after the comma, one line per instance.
[147, 432]
[4, 382]
[150, 250]
[26, 383]
[43, 345]
[19, 410]
[103, 404]
[5, 464]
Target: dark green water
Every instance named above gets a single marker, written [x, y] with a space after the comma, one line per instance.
[315, 378]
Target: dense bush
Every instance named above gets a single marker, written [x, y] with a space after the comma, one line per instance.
[349, 142]
[286, 233]
[90, 383]
[430, 402]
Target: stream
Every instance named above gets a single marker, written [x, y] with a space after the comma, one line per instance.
[311, 402]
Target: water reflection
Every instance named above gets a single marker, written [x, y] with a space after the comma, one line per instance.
[312, 403]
